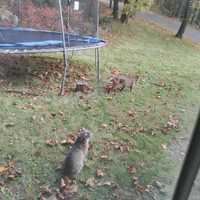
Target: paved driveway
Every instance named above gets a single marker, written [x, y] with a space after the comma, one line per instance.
[170, 24]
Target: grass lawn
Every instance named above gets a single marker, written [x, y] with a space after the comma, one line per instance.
[127, 127]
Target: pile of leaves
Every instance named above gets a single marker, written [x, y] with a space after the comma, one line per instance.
[47, 71]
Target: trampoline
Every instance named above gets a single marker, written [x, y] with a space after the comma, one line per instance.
[33, 26]
[25, 40]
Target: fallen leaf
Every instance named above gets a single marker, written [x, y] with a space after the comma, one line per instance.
[140, 188]
[71, 139]
[120, 125]
[67, 187]
[61, 113]
[107, 183]
[33, 117]
[64, 142]
[160, 84]
[11, 176]
[91, 182]
[140, 130]
[99, 173]
[115, 72]
[104, 126]
[3, 169]
[51, 142]
[45, 191]
[104, 157]
[71, 189]
[164, 146]
[131, 113]
[173, 122]
[84, 78]
[135, 180]
[132, 169]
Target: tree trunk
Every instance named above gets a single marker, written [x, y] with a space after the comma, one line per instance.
[110, 3]
[185, 20]
[124, 16]
[115, 8]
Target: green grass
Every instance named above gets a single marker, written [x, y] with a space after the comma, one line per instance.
[135, 49]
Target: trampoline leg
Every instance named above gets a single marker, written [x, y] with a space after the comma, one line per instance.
[97, 64]
[62, 88]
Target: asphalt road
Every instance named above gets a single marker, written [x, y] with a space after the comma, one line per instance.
[170, 24]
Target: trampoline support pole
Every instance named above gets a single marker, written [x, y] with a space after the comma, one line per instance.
[97, 64]
[62, 88]
[97, 55]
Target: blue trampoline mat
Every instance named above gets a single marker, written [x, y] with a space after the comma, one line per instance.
[29, 39]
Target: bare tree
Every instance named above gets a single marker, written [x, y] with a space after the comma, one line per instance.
[124, 16]
[115, 9]
[186, 16]
[110, 3]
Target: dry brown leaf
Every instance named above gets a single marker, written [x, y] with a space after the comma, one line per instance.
[67, 187]
[61, 113]
[132, 169]
[3, 169]
[140, 130]
[161, 83]
[84, 78]
[99, 173]
[45, 191]
[104, 126]
[131, 113]
[115, 72]
[140, 188]
[51, 142]
[74, 189]
[71, 139]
